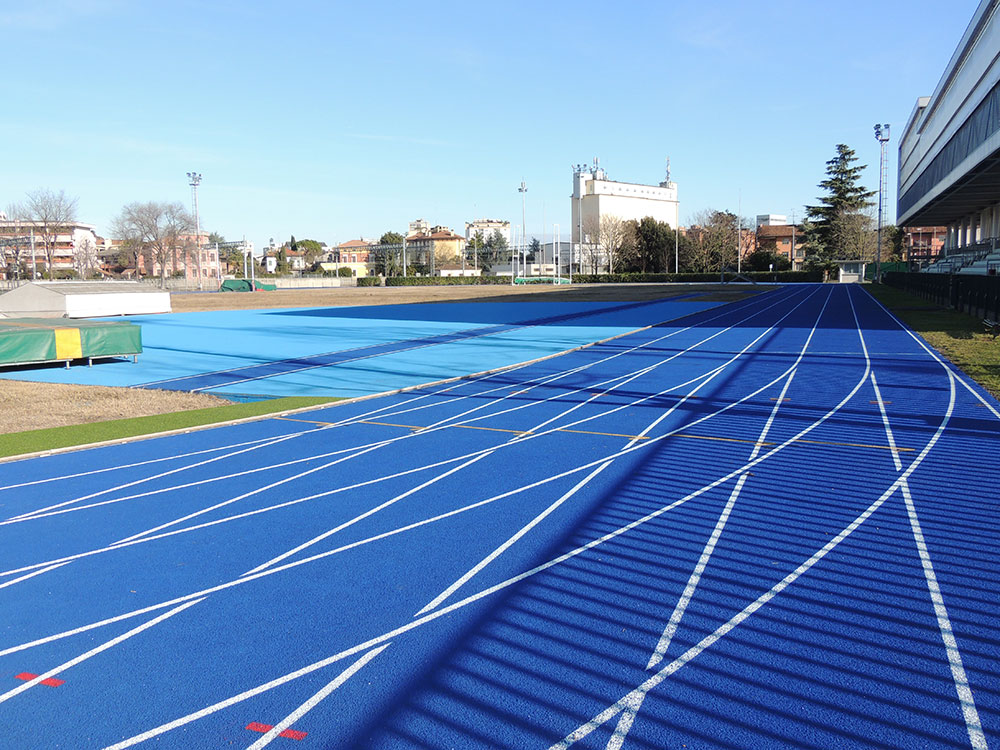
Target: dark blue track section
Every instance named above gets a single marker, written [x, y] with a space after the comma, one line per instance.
[210, 380]
[768, 525]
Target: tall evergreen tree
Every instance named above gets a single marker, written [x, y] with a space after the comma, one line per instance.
[842, 207]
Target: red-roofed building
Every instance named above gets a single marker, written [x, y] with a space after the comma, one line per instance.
[437, 246]
[782, 239]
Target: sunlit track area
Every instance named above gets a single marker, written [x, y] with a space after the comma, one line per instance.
[769, 524]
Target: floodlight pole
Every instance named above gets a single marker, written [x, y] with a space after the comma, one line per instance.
[555, 255]
[524, 225]
[195, 180]
[882, 136]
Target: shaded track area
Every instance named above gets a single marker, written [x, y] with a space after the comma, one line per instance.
[758, 526]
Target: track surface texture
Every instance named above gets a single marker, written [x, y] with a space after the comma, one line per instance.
[769, 524]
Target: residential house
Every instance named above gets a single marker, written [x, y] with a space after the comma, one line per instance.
[435, 246]
[781, 239]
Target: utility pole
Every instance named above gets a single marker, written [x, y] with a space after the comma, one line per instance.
[523, 191]
[195, 180]
[882, 136]
[739, 232]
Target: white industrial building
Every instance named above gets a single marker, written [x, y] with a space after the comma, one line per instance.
[949, 154]
[772, 220]
[595, 195]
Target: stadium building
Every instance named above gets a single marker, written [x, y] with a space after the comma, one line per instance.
[949, 154]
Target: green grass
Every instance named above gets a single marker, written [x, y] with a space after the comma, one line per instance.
[31, 441]
[958, 336]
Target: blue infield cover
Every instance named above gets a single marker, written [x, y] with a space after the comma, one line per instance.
[767, 525]
[355, 351]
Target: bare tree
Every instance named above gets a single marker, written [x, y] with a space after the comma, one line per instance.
[85, 257]
[856, 234]
[49, 213]
[590, 249]
[153, 229]
[12, 248]
[612, 236]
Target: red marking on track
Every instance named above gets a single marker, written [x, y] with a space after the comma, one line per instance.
[50, 682]
[292, 734]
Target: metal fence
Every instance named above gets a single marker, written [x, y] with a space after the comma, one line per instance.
[974, 295]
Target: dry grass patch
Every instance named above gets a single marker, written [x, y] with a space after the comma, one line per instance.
[405, 295]
[32, 406]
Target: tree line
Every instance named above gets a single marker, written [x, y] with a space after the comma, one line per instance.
[841, 226]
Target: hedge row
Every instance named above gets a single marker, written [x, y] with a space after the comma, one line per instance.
[787, 277]
[445, 280]
[369, 281]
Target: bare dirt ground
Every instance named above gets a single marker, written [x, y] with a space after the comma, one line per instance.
[403, 295]
[28, 406]
[34, 406]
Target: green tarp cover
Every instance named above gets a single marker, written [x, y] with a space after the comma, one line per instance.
[29, 340]
[244, 285]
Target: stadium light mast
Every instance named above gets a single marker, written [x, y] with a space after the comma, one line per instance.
[523, 191]
[194, 181]
[882, 136]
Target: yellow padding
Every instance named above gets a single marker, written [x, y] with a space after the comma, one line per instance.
[68, 343]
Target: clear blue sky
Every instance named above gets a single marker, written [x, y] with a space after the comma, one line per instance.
[330, 120]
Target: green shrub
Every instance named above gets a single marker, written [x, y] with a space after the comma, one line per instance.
[369, 281]
[344, 272]
[446, 280]
[785, 277]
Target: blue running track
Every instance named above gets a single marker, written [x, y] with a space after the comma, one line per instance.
[766, 525]
[356, 351]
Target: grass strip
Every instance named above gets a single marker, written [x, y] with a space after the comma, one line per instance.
[52, 438]
[958, 336]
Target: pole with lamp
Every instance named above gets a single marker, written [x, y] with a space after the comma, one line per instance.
[555, 255]
[195, 180]
[882, 136]
[524, 224]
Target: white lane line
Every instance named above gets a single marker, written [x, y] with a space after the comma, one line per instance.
[277, 729]
[692, 585]
[628, 706]
[170, 472]
[422, 468]
[327, 493]
[631, 709]
[955, 372]
[43, 513]
[619, 382]
[96, 650]
[509, 582]
[246, 695]
[885, 423]
[974, 727]
[253, 445]
[534, 432]
[146, 462]
[706, 554]
[32, 575]
[441, 424]
[418, 524]
[368, 414]
[444, 611]
[474, 570]
[49, 510]
[963, 690]
[306, 707]
[635, 695]
[370, 512]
